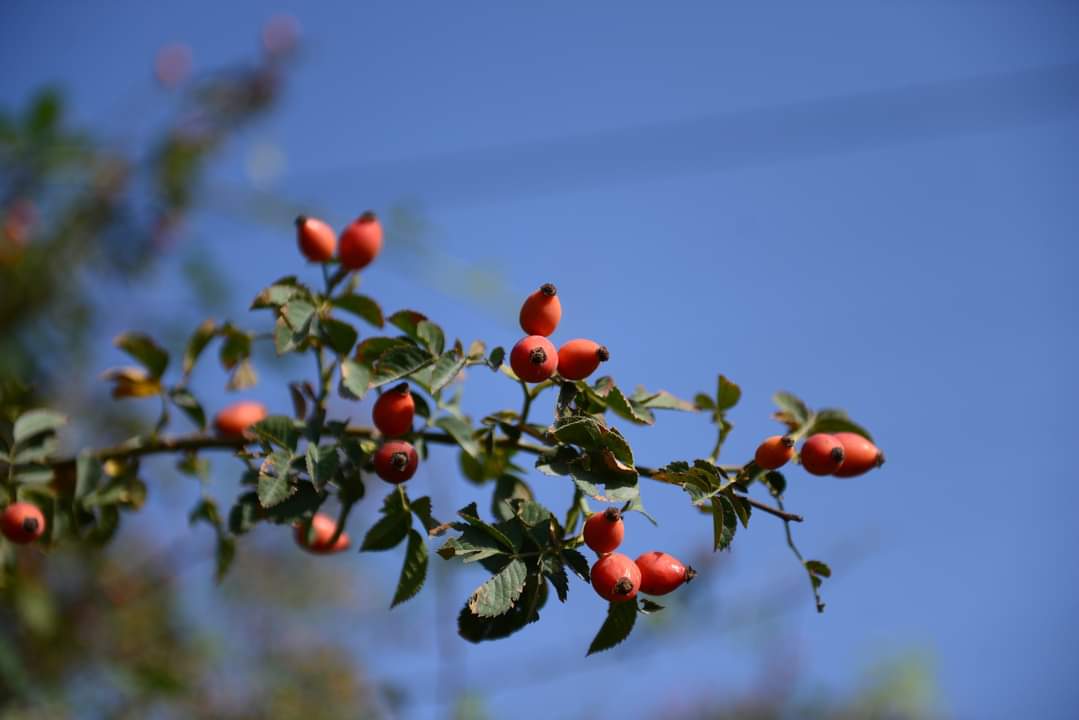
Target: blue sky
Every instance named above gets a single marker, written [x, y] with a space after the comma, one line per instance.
[650, 161]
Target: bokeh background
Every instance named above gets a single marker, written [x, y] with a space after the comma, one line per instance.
[871, 204]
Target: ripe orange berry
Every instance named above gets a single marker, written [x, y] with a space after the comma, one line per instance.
[534, 359]
[860, 455]
[22, 523]
[317, 240]
[577, 359]
[774, 452]
[822, 454]
[616, 578]
[661, 573]
[360, 242]
[393, 411]
[603, 531]
[234, 420]
[541, 311]
[318, 541]
[396, 461]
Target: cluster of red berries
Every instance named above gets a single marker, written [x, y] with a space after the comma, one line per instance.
[615, 577]
[534, 358]
[359, 244]
[843, 454]
[22, 523]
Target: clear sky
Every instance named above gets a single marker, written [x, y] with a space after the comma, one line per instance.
[857, 201]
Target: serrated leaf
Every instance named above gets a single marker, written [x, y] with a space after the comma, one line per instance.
[198, 341]
[397, 362]
[355, 379]
[476, 629]
[727, 394]
[244, 515]
[414, 571]
[148, 353]
[274, 484]
[554, 571]
[387, 533]
[322, 464]
[189, 404]
[421, 508]
[361, 306]
[724, 522]
[792, 405]
[507, 488]
[277, 430]
[743, 509]
[339, 335]
[304, 501]
[443, 372]
[622, 406]
[498, 594]
[577, 563]
[35, 422]
[621, 617]
[461, 432]
[661, 400]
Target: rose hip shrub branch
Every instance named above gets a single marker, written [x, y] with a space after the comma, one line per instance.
[292, 464]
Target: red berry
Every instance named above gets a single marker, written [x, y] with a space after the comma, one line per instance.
[603, 531]
[317, 240]
[396, 461]
[859, 453]
[22, 523]
[541, 311]
[393, 411]
[234, 420]
[661, 573]
[577, 359]
[360, 242]
[318, 540]
[822, 454]
[616, 578]
[534, 359]
[774, 452]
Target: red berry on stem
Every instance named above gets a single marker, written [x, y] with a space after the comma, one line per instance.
[860, 455]
[822, 454]
[541, 311]
[534, 359]
[360, 242]
[774, 452]
[577, 359]
[396, 461]
[616, 578]
[661, 573]
[22, 523]
[318, 540]
[603, 531]
[316, 239]
[234, 420]
[393, 411]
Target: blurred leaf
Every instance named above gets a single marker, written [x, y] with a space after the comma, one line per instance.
[461, 432]
[274, 484]
[832, 421]
[414, 571]
[793, 406]
[322, 463]
[340, 335]
[279, 293]
[235, 348]
[355, 379]
[187, 402]
[243, 376]
[278, 430]
[727, 394]
[147, 352]
[508, 488]
[494, 360]
[619, 624]
[361, 306]
[816, 567]
[132, 382]
[35, 422]
[431, 336]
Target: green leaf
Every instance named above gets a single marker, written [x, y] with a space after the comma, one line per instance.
[727, 394]
[461, 432]
[35, 422]
[183, 399]
[431, 336]
[647, 607]
[703, 402]
[198, 341]
[498, 594]
[554, 571]
[245, 514]
[775, 482]
[724, 521]
[619, 404]
[361, 306]
[397, 362]
[223, 557]
[274, 484]
[702, 480]
[832, 421]
[444, 371]
[476, 629]
[662, 400]
[147, 352]
[33, 474]
[279, 293]
[278, 430]
[508, 488]
[243, 376]
[577, 563]
[339, 335]
[355, 379]
[816, 567]
[743, 509]
[619, 624]
[304, 501]
[473, 545]
[299, 313]
[408, 321]
[235, 349]
[322, 464]
[421, 508]
[792, 406]
[470, 514]
[88, 475]
[414, 571]
[388, 532]
[494, 360]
